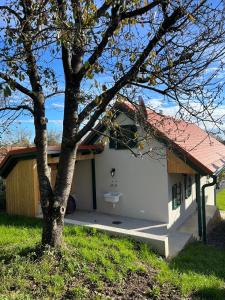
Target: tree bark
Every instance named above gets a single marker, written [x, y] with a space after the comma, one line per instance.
[54, 211]
[52, 229]
[53, 216]
[46, 193]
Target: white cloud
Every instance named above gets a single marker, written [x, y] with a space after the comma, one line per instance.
[30, 121]
[170, 110]
[55, 121]
[58, 105]
[155, 103]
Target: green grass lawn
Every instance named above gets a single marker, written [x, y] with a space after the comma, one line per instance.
[220, 200]
[93, 265]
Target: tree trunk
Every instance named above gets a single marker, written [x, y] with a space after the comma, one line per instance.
[54, 211]
[50, 219]
[53, 215]
[54, 200]
[52, 229]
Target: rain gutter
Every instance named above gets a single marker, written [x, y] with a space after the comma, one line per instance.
[204, 231]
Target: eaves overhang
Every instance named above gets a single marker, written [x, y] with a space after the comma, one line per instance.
[14, 156]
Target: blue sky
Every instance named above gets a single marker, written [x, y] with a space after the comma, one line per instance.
[54, 105]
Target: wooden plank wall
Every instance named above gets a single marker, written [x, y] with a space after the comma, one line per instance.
[176, 165]
[20, 189]
[36, 190]
[22, 186]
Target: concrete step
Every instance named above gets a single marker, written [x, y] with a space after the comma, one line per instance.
[191, 224]
[177, 241]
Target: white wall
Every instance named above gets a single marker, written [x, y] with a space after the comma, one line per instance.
[188, 206]
[143, 183]
[82, 185]
[209, 191]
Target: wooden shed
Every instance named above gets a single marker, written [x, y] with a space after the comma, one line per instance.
[19, 169]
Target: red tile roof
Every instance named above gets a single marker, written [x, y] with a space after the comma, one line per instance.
[5, 150]
[197, 145]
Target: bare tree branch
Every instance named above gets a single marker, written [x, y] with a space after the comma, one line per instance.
[10, 10]
[115, 20]
[16, 108]
[17, 85]
[107, 96]
[140, 11]
[54, 94]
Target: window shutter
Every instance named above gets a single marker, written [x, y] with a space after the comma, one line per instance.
[189, 189]
[179, 194]
[185, 187]
[174, 196]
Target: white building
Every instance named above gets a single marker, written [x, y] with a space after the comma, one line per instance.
[166, 197]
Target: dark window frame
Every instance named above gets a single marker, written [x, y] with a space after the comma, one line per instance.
[124, 133]
[187, 186]
[174, 196]
[177, 195]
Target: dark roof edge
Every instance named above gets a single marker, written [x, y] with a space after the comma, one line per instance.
[10, 162]
[14, 156]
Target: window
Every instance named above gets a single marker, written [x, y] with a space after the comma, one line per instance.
[187, 186]
[177, 195]
[125, 134]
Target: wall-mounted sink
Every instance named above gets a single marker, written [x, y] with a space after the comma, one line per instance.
[112, 197]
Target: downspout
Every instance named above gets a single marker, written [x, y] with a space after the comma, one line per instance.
[199, 204]
[204, 208]
[93, 175]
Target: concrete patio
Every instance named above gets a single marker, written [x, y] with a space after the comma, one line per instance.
[165, 242]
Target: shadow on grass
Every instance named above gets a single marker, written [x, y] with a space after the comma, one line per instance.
[209, 294]
[19, 221]
[33, 253]
[201, 259]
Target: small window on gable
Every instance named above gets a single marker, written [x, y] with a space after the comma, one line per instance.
[122, 137]
[177, 195]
